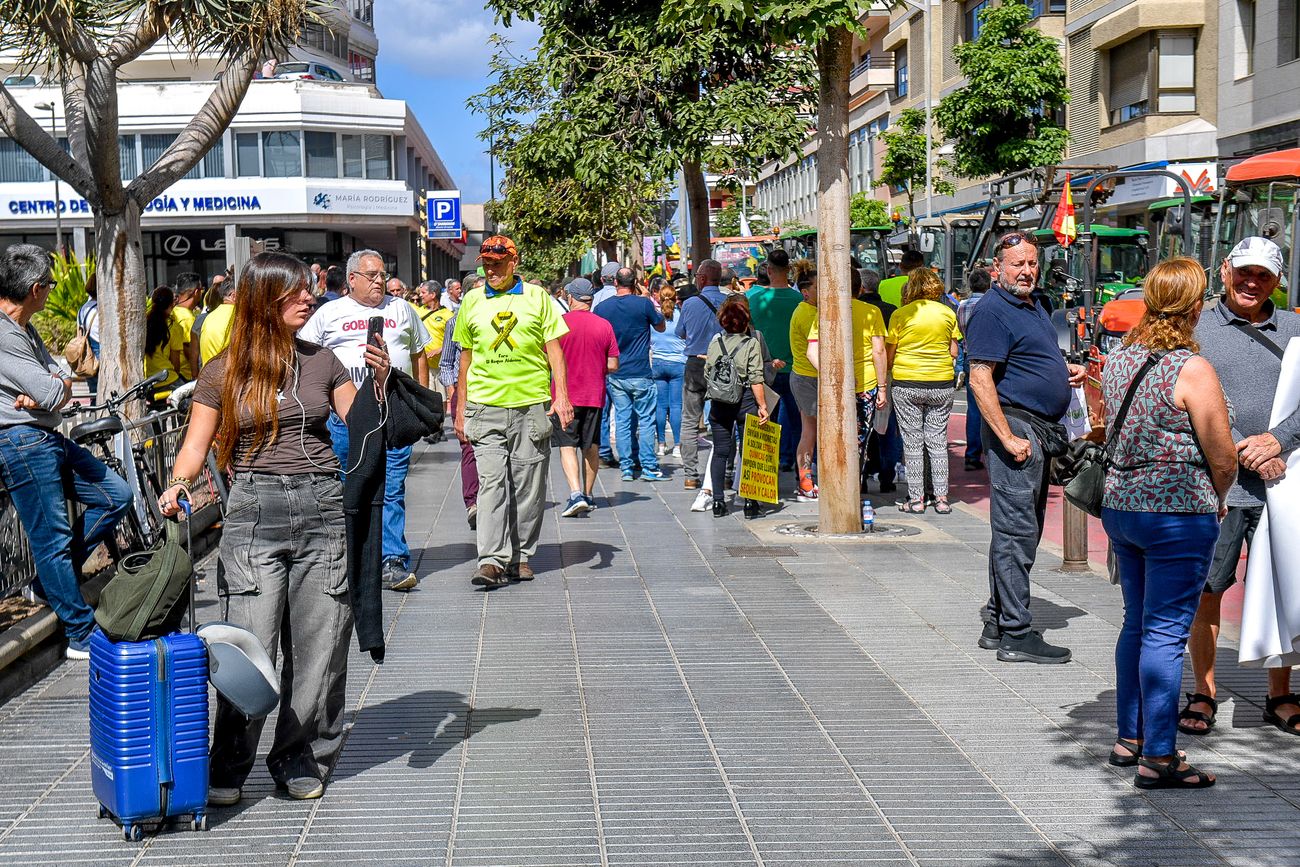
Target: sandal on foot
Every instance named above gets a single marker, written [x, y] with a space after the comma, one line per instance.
[1170, 777]
[1196, 716]
[1120, 760]
[942, 506]
[1290, 725]
[912, 507]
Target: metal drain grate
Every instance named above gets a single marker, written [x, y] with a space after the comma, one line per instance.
[762, 551]
[879, 531]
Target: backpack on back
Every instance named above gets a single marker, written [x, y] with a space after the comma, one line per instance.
[721, 376]
[81, 358]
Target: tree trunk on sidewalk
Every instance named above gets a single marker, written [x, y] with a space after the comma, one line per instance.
[120, 274]
[837, 425]
[697, 199]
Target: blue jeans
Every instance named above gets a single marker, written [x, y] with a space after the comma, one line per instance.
[974, 440]
[92, 382]
[395, 468]
[669, 377]
[634, 395]
[42, 470]
[606, 451]
[1163, 559]
[787, 414]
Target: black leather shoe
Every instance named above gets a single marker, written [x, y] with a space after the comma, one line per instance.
[752, 509]
[888, 487]
[991, 637]
[719, 508]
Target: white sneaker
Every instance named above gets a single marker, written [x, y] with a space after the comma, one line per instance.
[703, 501]
[676, 452]
[660, 451]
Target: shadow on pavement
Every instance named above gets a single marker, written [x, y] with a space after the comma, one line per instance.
[567, 555]
[421, 726]
[1049, 615]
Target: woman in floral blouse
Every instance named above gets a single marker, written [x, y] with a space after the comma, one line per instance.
[1172, 465]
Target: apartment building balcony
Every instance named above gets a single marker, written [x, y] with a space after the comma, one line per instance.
[874, 72]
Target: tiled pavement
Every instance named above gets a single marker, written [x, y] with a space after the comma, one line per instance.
[653, 699]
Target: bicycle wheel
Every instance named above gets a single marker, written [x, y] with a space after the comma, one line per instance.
[150, 490]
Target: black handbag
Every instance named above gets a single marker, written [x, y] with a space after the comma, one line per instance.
[1089, 461]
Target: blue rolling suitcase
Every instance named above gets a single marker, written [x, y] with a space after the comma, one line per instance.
[149, 730]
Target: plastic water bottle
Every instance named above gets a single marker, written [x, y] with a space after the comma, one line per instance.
[868, 516]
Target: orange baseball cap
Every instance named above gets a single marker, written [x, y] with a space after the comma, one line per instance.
[497, 248]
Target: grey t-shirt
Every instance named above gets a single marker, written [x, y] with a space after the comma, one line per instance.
[303, 443]
[1249, 373]
[26, 367]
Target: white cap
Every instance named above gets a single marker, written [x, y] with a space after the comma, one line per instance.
[1257, 251]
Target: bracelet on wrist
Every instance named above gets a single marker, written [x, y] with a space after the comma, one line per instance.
[184, 483]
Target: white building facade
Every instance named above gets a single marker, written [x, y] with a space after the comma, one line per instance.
[317, 166]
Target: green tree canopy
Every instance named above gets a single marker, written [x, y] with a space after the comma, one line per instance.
[618, 97]
[866, 210]
[727, 222]
[903, 165]
[1004, 119]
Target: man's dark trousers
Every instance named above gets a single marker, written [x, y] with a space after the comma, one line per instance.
[788, 416]
[1017, 506]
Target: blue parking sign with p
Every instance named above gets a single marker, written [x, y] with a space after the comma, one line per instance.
[444, 213]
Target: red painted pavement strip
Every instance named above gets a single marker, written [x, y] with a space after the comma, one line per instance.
[972, 488]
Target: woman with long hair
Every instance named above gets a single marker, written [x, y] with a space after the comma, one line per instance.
[745, 356]
[921, 347]
[265, 401]
[164, 338]
[1166, 489]
[668, 370]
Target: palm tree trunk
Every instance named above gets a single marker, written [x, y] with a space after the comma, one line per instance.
[123, 285]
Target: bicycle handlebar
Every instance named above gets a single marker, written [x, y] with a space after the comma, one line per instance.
[115, 400]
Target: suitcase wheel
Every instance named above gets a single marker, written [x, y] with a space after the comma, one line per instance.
[102, 811]
[132, 833]
[199, 822]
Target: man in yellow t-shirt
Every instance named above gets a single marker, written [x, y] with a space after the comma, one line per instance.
[510, 355]
[434, 316]
[215, 334]
[189, 290]
[891, 288]
[870, 368]
[803, 385]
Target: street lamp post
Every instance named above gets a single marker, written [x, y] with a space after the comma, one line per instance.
[924, 9]
[58, 203]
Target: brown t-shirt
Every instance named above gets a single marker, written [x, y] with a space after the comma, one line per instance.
[303, 444]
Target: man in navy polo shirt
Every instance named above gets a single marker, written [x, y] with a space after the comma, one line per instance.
[1017, 375]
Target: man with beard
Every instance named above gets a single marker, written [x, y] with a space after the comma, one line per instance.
[1020, 381]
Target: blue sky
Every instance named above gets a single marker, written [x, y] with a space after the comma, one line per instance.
[434, 54]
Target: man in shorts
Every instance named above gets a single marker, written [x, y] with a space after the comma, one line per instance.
[1243, 338]
[590, 352]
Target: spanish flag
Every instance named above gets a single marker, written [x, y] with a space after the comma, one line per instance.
[1063, 223]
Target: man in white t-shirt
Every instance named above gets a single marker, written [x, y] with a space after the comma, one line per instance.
[341, 326]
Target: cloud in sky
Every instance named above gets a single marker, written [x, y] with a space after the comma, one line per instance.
[434, 54]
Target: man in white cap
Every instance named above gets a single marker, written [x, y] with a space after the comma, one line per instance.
[1243, 337]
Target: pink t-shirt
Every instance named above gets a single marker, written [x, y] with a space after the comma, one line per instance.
[587, 346]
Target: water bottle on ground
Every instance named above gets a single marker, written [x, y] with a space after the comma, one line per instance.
[868, 516]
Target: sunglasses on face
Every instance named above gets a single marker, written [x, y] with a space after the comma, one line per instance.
[498, 249]
[372, 276]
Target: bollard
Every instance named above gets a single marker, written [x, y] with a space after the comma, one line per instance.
[1074, 541]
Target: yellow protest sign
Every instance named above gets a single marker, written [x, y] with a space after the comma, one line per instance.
[759, 459]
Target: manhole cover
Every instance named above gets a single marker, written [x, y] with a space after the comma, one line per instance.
[762, 551]
[878, 531]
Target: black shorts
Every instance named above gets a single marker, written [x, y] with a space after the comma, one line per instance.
[583, 432]
[1238, 528]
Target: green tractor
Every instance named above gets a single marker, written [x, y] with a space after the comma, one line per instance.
[868, 246]
[1123, 259]
[1168, 216]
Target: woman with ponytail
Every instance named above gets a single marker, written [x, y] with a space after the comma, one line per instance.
[1167, 480]
[265, 401]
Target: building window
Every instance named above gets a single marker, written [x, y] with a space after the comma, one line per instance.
[900, 73]
[321, 38]
[1288, 31]
[363, 10]
[18, 166]
[126, 156]
[353, 157]
[379, 157]
[1176, 72]
[247, 155]
[1244, 56]
[1130, 74]
[282, 154]
[1037, 8]
[362, 66]
[322, 154]
[972, 19]
[211, 165]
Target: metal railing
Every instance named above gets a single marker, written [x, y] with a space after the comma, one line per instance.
[160, 432]
[873, 61]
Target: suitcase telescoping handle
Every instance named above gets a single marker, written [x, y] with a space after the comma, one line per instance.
[184, 502]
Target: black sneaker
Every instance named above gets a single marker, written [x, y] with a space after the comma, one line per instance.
[974, 464]
[398, 577]
[991, 637]
[1031, 647]
[611, 462]
[888, 487]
